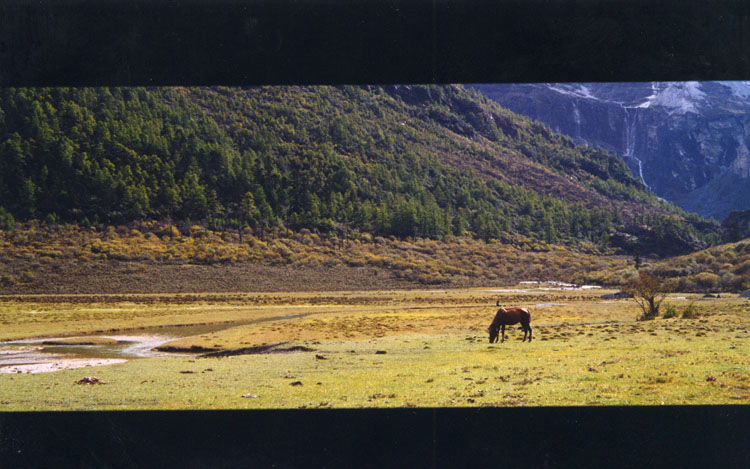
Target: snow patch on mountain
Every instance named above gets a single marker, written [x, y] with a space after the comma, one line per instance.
[650, 99]
[681, 97]
[741, 89]
[577, 90]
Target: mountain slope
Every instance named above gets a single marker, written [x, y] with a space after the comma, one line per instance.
[397, 160]
[689, 142]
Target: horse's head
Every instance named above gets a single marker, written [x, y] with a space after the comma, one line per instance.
[494, 333]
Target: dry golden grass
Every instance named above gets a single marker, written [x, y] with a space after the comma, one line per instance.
[70, 259]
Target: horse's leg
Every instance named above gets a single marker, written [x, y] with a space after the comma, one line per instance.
[525, 323]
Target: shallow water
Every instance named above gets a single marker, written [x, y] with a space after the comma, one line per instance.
[130, 344]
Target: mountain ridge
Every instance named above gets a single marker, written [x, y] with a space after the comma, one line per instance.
[688, 142]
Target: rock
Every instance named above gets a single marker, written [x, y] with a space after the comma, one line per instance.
[745, 294]
[296, 383]
[736, 226]
[710, 378]
[409, 94]
[90, 380]
[380, 352]
[259, 349]
[646, 239]
[320, 357]
[617, 295]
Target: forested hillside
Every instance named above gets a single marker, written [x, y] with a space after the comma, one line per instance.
[423, 161]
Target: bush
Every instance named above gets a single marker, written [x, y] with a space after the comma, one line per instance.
[7, 222]
[671, 312]
[7, 280]
[707, 281]
[690, 312]
[168, 230]
[28, 276]
[743, 268]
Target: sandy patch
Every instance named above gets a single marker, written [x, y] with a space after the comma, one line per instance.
[142, 345]
[57, 365]
[6, 351]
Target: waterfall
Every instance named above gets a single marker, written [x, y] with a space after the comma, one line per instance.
[577, 119]
[630, 130]
[640, 172]
[630, 133]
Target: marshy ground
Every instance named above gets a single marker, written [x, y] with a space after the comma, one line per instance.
[386, 349]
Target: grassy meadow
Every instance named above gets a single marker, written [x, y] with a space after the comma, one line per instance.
[391, 348]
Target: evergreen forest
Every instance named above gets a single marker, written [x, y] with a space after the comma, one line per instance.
[403, 161]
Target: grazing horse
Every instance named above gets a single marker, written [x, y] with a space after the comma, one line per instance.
[509, 316]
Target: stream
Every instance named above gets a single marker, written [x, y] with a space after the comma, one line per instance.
[40, 355]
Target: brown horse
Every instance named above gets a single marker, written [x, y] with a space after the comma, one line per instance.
[509, 316]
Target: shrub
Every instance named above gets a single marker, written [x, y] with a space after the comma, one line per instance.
[671, 312]
[684, 284]
[366, 238]
[284, 251]
[707, 280]
[648, 292]
[690, 312]
[168, 230]
[743, 268]
[7, 222]
[7, 280]
[672, 284]
[197, 231]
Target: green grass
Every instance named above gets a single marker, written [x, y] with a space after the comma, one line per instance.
[585, 352]
[451, 371]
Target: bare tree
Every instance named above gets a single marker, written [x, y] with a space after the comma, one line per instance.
[649, 292]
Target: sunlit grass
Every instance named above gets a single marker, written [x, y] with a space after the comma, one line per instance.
[418, 348]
